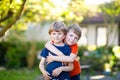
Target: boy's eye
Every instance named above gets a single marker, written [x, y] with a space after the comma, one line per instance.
[53, 33]
[76, 38]
[59, 33]
[71, 35]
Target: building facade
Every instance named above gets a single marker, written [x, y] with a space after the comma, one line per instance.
[100, 31]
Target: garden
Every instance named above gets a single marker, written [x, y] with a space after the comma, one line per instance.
[24, 31]
[20, 59]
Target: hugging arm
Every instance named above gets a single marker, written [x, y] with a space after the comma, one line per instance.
[58, 70]
[61, 57]
[53, 49]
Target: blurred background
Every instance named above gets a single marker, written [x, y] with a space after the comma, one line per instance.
[24, 31]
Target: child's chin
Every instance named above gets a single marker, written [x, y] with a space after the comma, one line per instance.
[70, 44]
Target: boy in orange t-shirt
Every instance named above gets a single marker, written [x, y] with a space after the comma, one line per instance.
[73, 35]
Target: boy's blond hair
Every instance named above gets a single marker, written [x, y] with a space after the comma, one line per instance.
[58, 26]
[76, 29]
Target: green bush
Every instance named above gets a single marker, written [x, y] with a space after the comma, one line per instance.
[40, 45]
[99, 56]
[16, 55]
[3, 50]
[15, 50]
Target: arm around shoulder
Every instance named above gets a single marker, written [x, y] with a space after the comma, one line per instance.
[53, 49]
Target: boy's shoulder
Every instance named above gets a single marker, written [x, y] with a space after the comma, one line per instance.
[74, 48]
[44, 50]
[67, 45]
[74, 45]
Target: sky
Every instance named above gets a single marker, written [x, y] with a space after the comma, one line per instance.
[89, 2]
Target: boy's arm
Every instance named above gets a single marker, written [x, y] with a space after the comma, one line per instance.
[53, 49]
[61, 57]
[42, 68]
[58, 70]
[70, 58]
[69, 67]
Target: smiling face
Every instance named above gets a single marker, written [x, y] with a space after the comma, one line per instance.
[57, 37]
[71, 38]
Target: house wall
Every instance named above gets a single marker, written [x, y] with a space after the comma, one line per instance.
[37, 32]
[92, 34]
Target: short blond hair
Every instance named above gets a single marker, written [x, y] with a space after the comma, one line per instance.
[76, 29]
[58, 26]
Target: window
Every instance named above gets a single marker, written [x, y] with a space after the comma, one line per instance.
[101, 36]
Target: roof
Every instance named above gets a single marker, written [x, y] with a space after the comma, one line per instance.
[100, 19]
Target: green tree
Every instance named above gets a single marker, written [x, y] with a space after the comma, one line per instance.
[38, 11]
[47, 10]
[10, 11]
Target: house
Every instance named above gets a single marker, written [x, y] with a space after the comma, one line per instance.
[97, 30]
[94, 31]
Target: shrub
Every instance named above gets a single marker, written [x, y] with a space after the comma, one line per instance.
[3, 50]
[16, 56]
[99, 56]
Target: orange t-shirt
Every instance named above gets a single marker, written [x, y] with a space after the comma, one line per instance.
[76, 70]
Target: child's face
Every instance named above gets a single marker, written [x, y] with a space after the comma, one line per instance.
[71, 38]
[57, 36]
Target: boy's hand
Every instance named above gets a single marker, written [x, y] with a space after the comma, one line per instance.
[57, 71]
[49, 59]
[64, 63]
[46, 75]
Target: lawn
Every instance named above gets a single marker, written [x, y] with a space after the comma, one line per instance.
[27, 74]
[19, 74]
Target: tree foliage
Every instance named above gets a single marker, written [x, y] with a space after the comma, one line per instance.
[47, 10]
[10, 11]
[39, 11]
[112, 9]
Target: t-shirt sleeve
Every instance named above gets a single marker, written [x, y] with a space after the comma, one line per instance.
[44, 53]
[74, 49]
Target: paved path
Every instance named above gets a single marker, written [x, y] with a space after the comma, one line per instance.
[98, 77]
[39, 78]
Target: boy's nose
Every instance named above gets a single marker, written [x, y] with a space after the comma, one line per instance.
[56, 35]
[72, 39]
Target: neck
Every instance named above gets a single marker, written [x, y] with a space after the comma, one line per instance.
[59, 44]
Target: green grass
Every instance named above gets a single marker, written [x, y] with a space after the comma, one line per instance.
[19, 74]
